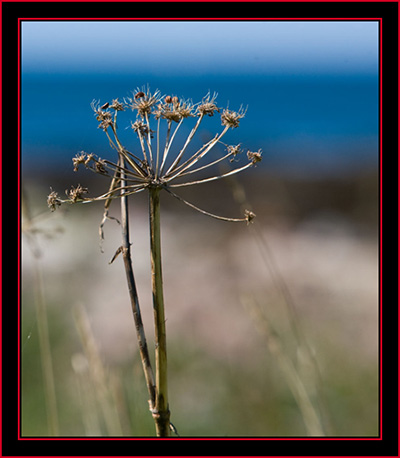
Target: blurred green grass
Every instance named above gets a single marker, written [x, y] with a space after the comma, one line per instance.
[209, 396]
[223, 381]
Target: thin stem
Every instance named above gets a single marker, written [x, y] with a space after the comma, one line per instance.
[169, 143]
[206, 166]
[158, 148]
[123, 152]
[198, 155]
[293, 379]
[148, 140]
[223, 218]
[161, 412]
[42, 324]
[112, 166]
[188, 140]
[98, 374]
[218, 177]
[126, 253]
[45, 353]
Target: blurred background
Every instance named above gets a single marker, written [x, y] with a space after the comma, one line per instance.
[272, 328]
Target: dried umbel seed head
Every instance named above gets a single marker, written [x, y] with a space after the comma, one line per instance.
[165, 111]
[153, 171]
[104, 117]
[89, 157]
[85, 159]
[144, 102]
[230, 118]
[176, 112]
[140, 127]
[185, 109]
[234, 151]
[79, 159]
[100, 166]
[255, 157]
[249, 216]
[116, 105]
[53, 201]
[208, 106]
[75, 194]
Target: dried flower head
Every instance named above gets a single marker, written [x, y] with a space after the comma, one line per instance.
[208, 106]
[234, 151]
[103, 116]
[132, 174]
[116, 105]
[89, 157]
[249, 216]
[230, 118]
[143, 102]
[79, 159]
[75, 194]
[255, 157]
[99, 166]
[53, 201]
[140, 127]
[174, 109]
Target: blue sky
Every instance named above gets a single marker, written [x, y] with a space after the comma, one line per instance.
[311, 87]
[185, 47]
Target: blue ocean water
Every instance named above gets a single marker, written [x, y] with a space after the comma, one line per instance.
[315, 124]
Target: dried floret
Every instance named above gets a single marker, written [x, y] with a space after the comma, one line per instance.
[255, 157]
[208, 106]
[249, 216]
[75, 194]
[230, 118]
[53, 201]
[143, 102]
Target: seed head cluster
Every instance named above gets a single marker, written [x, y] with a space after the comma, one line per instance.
[156, 163]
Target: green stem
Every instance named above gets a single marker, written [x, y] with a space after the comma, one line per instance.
[45, 354]
[161, 411]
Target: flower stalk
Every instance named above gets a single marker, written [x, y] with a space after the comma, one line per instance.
[126, 254]
[160, 412]
[156, 172]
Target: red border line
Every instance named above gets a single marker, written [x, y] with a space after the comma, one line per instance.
[193, 19]
[20, 20]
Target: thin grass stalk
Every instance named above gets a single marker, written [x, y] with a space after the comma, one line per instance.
[161, 412]
[269, 259]
[126, 254]
[45, 354]
[309, 413]
[86, 395]
[98, 373]
[43, 327]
